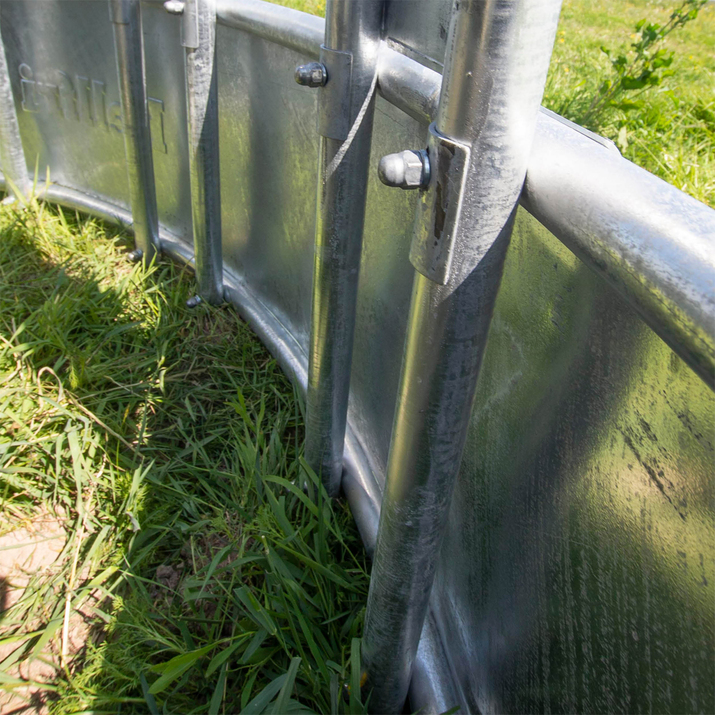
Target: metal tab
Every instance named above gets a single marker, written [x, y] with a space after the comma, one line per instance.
[119, 12]
[190, 25]
[334, 115]
[437, 216]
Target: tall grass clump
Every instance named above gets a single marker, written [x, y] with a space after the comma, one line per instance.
[214, 572]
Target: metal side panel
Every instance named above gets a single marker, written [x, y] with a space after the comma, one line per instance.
[269, 160]
[418, 29]
[64, 78]
[578, 572]
[385, 288]
[166, 95]
[61, 63]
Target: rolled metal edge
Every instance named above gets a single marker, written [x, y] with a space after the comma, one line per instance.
[296, 30]
[652, 243]
[434, 693]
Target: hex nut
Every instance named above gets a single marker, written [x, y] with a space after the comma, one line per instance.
[313, 74]
[405, 170]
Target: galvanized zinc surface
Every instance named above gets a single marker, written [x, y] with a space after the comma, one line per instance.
[578, 571]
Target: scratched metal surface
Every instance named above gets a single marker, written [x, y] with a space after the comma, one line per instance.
[419, 29]
[578, 573]
[579, 567]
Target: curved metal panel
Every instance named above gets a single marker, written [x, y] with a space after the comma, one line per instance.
[578, 572]
[578, 568]
[269, 162]
[64, 79]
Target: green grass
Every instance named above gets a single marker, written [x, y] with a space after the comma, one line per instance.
[169, 443]
[673, 133]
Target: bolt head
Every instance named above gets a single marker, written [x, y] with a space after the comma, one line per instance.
[313, 74]
[405, 170]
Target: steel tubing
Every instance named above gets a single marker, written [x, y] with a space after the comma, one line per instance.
[297, 30]
[571, 169]
[497, 58]
[129, 49]
[652, 243]
[12, 156]
[350, 53]
[202, 113]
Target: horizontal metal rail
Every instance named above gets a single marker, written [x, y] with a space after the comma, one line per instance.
[650, 241]
[296, 30]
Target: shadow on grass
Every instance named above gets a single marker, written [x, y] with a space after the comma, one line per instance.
[170, 443]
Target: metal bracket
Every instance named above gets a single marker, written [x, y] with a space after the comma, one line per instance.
[439, 208]
[190, 25]
[334, 116]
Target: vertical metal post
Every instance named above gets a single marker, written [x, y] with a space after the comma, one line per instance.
[349, 56]
[129, 49]
[199, 39]
[497, 57]
[12, 156]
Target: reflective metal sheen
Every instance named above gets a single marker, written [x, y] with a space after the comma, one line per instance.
[577, 570]
[654, 245]
[129, 48]
[12, 156]
[491, 92]
[346, 105]
[202, 111]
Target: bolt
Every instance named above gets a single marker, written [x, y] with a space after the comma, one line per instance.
[135, 256]
[313, 74]
[406, 169]
[174, 7]
[194, 301]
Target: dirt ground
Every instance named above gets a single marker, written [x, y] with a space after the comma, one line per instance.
[32, 551]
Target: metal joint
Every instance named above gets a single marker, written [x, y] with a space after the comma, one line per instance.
[407, 169]
[334, 111]
[313, 74]
[437, 216]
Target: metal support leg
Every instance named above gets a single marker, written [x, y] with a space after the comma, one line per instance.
[202, 111]
[12, 156]
[129, 48]
[497, 58]
[352, 35]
